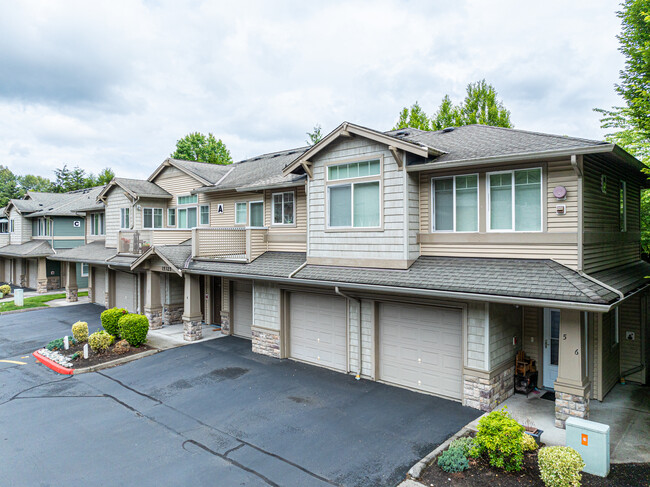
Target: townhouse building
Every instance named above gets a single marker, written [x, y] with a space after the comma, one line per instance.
[426, 260]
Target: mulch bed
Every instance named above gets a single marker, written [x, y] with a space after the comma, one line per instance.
[480, 473]
[99, 358]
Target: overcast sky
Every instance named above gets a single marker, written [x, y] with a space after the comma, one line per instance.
[116, 83]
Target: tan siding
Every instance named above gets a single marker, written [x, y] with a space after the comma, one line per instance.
[228, 199]
[631, 353]
[115, 200]
[611, 363]
[597, 374]
[561, 174]
[148, 203]
[299, 229]
[532, 333]
[176, 182]
[22, 228]
[477, 322]
[505, 323]
[171, 237]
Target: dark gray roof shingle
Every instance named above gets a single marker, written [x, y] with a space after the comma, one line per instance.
[209, 172]
[142, 188]
[73, 203]
[92, 253]
[269, 264]
[627, 278]
[33, 248]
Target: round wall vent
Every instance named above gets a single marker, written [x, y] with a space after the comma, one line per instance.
[559, 192]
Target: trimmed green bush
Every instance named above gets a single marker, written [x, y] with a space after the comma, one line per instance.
[528, 443]
[80, 331]
[466, 444]
[500, 436]
[5, 289]
[453, 460]
[58, 343]
[110, 319]
[100, 341]
[560, 466]
[134, 329]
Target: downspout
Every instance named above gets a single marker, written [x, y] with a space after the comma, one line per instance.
[350, 298]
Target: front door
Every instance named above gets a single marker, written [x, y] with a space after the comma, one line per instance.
[551, 346]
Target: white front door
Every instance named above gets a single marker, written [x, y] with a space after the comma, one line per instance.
[551, 346]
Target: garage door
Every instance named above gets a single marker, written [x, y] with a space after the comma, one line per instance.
[125, 287]
[420, 348]
[318, 329]
[99, 281]
[242, 308]
[32, 273]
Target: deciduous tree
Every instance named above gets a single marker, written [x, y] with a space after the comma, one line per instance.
[198, 147]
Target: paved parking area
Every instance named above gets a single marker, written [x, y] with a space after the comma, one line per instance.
[212, 413]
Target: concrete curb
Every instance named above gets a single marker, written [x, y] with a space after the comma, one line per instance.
[15, 311]
[51, 364]
[118, 361]
[416, 470]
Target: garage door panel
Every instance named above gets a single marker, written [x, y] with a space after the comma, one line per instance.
[420, 347]
[318, 329]
[243, 308]
[99, 278]
[125, 291]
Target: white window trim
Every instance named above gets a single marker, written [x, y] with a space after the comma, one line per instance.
[169, 211]
[433, 207]
[178, 203]
[245, 203]
[153, 218]
[102, 231]
[82, 269]
[489, 198]
[12, 226]
[273, 209]
[623, 224]
[122, 219]
[198, 216]
[379, 158]
[351, 183]
[248, 209]
[615, 330]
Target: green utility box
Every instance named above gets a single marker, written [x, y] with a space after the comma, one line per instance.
[591, 440]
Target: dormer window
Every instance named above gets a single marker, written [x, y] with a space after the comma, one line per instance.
[354, 195]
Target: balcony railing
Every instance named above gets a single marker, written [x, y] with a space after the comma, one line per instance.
[239, 244]
[139, 241]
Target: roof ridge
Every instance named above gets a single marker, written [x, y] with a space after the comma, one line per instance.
[561, 269]
[531, 132]
[267, 154]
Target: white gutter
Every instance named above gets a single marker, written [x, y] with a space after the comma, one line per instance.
[301, 267]
[601, 283]
[358, 301]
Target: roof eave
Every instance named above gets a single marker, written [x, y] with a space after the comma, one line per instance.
[170, 162]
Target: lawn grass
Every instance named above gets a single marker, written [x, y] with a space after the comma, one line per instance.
[34, 302]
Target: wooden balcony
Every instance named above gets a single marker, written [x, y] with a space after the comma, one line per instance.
[236, 244]
[139, 241]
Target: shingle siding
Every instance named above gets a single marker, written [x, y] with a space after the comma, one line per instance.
[266, 300]
[505, 323]
[477, 322]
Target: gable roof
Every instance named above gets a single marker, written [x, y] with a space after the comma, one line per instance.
[91, 253]
[136, 188]
[75, 203]
[33, 248]
[203, 172]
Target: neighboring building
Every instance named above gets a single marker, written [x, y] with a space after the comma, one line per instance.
[426, 260]
[39, 226]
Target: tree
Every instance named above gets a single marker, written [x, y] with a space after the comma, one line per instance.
[30, 182]
[71, 179]
[480, 106]
[9, 187]
[105, 176]
[197, 147]
[315, 136]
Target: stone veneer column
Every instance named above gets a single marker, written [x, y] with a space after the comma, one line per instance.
[192, 318]
[572, 385]
[266, 342]
[71, 288]
[486, 392]
[152, 307]
[172, 314]
[41, 279]
[226, 329]
[107, 288]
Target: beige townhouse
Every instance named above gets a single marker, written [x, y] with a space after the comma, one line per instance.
[427, 260]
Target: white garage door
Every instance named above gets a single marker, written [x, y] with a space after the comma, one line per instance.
[125, 288]
[99, 281]
[420, 348]
[32, 273]
[318, 329]
[242, 308]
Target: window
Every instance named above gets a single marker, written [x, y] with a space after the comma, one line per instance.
[84, 269]
[283, 209]
[97, 224]
[256, 213]
[614, 328]
[187, 217]
[4, 227]
[354, 204]
[204, 211]
[124, 218]
[13, 226]
[152, 218]
[240, 213]
[171, 217]
[43, 227]
[455, 204]
[187, 200]
[515, 200]
[622, 203]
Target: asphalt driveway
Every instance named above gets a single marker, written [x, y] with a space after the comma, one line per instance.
[213, 414]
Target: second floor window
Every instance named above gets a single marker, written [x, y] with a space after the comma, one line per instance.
[283, 209]
[622, 203]
[455, 204]
[43, 227]
[187, 217]
[354, 204]
[152, 218]
[97, 224]
[13, 226]
[204, 216]
[241, 214]
[124, 218]
[4, 227]
[515, 200]
[171, 217]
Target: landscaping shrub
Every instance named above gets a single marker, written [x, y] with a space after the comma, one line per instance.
[528, 443]
[58, 344]
[5, 289]
[560, 466]
[80, 331]
[134, 329]
[100, 341]
[500, 436]
[466, 444]
[110, 319]
[453, 460]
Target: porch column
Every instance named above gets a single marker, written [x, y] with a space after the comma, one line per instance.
[192, 310]
[23, 268]
[41, 285]
[225, 306]
[572, 385]
[2, 268]
[91, 284]
[152, 305]
[71, 288]
[108, 281]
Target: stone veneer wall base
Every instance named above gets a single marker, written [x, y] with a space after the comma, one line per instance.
[172, 314]
[155, 317]
[41, 286]
[569, 405]
[225, 322]
[266, 342]
[71, 294]
[192, 330]
[487, 394]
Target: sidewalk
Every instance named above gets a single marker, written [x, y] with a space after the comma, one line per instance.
[171, 336]
[32, 293]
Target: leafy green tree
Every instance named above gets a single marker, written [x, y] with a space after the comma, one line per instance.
[9, 186]
[70, 179]
[198, 147]
[30, 182]
[316, 136]
[105, 176]
[413, 117]
[447, 115]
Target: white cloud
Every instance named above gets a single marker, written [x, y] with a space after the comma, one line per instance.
[117, 83]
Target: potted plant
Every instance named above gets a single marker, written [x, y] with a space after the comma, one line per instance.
[532, 430]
